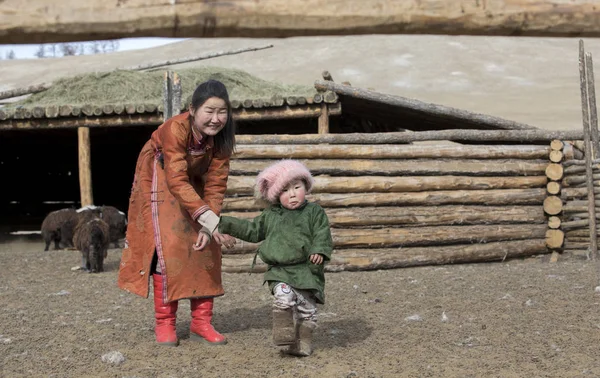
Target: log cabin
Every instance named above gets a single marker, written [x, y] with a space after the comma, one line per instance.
[404, 182]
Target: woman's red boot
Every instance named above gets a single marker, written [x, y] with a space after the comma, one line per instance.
[165, 314]
[201, 328]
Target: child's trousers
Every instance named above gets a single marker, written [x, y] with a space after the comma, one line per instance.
[303, 301]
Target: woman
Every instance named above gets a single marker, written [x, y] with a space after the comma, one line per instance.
[178, 190]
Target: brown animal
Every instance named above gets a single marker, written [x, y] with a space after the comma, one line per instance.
[89, 212]
[92, 238]
[58, 226]
[117, 222]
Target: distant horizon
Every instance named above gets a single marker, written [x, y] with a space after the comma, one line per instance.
[27, 51]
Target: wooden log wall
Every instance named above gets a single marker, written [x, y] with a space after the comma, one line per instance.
[575, 218]
[398, 205]
[581, 208]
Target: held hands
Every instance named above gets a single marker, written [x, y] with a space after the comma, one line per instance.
[204, 238]
[227, 240]
[316, 259]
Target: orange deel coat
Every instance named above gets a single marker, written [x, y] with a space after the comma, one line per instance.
[163, 209]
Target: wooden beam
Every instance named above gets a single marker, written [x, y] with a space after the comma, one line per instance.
[421, 236]
[421, 107]
[47, 21]
[414, 167]
[172, 62]
[457, 135]
[244, 185]
[153, 119]
[287, 112]
[411, 216]
[85, 167]
[69, 123]
[391, 258]
[357, 151]
[23, 91]
[501, 197]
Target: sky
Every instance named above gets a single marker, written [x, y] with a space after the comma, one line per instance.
[28, 51]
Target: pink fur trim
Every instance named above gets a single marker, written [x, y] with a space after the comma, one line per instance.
[273, 179]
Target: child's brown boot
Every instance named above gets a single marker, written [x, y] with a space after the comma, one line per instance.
[283, 327]
[303, 345]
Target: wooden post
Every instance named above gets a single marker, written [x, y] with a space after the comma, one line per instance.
[588, 149]
[85, 168]
[591, 94]
[324, 119]
[167, 96]
[175, 94]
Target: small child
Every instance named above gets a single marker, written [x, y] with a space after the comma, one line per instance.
[296, 244]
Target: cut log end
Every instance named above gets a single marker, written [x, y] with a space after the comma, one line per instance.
[556, 156]
[553, 205]
[556, 145]
[553, 187]
[554, 171]
[555, 239]
[554, 222]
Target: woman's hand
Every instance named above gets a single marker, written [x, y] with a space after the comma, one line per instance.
[316, 259]
[202, 241]
[227, 240]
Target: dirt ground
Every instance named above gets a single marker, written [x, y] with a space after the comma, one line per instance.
[526, 318]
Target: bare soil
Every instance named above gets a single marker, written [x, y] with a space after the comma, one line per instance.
[525, 318]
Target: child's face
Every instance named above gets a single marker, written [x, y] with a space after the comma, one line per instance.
[293, 195]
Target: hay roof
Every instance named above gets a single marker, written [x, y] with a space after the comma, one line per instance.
[135, 87]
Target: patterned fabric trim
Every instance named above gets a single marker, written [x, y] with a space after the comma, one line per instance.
[201, 210]
[155, 223]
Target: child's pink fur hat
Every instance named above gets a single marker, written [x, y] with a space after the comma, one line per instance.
[273, 179]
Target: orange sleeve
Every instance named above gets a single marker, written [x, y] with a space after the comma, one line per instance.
[174, 137]
[216, 183]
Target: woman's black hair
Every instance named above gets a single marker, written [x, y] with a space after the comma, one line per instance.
[224, 140]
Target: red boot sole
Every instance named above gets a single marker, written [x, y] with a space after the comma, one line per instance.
[195, 337]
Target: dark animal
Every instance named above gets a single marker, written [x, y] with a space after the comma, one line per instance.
[117, 222]
[92, 238]
[58, 226]
[89, 212]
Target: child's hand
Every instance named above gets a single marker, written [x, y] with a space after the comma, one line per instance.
[227, 240]
[316, 259]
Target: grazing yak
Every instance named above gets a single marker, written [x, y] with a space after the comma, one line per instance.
[117, 222]
[58, 226]
[91, 239]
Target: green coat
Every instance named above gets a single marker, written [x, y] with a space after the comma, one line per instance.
[289, 237]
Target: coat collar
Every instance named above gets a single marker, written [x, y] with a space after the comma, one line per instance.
[278, 208]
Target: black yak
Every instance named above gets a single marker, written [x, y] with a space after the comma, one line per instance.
[92, 238]
[58, 226]
[117, 223]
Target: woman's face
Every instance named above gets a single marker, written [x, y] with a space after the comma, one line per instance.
[210, 118]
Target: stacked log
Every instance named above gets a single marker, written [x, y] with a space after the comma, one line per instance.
[575, 213]
[396, 205]
[553, 204]
[586, 196]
